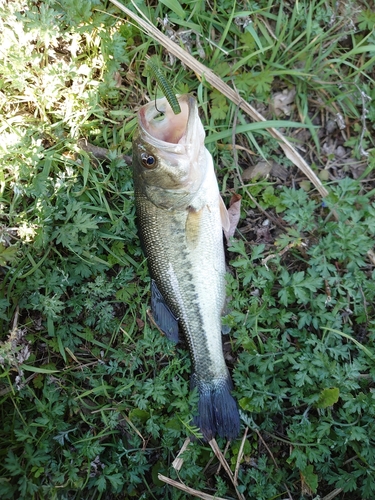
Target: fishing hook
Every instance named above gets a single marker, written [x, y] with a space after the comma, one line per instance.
[158, 110]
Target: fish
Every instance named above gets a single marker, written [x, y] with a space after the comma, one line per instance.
[180, 218]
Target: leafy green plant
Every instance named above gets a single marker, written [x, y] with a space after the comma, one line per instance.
[94, 402]
[290, 360]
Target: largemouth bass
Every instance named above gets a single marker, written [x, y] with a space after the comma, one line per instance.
[180, 217]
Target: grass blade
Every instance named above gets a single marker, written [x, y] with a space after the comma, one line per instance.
[230, 93]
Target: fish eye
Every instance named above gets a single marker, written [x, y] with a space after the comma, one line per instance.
[148, 161]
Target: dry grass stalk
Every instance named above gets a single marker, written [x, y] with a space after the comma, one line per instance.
[225, 465]
[209, 76]
[273, 460]
[186, 489]
[225, 452]
[239, 457]
[333, 494]
[130, 423]
[178, 462]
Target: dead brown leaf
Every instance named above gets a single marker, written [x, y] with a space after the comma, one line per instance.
[261, 169]
[117, 78]
[281, 102]
[234, 212]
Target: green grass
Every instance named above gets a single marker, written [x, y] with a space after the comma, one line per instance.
[94, 402]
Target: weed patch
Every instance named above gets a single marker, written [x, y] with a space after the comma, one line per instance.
[94, 402]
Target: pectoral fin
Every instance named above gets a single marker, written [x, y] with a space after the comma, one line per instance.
[163, 316]
[193, 227]
[225, 222]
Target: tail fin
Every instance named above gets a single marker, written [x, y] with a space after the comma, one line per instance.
[217, 409]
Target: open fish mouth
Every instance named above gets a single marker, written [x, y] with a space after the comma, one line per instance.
[173, 145]
[158, 123]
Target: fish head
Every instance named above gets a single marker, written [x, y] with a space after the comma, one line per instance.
[169, 152]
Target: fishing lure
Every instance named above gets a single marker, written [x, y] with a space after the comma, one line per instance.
[164, 85]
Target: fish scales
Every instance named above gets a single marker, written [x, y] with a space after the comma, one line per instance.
[179, 214]
[189, 276]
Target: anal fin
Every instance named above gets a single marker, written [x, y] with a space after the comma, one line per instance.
[163, 316]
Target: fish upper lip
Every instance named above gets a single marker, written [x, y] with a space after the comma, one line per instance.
[190, 131]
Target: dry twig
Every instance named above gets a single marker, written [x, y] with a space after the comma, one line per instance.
[273, 460]
[225, 465]
[333, 494]
[100, 153]
[239, 457]
[186, 489]
[178, 462]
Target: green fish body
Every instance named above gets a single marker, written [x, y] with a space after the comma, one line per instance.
[180, 216]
